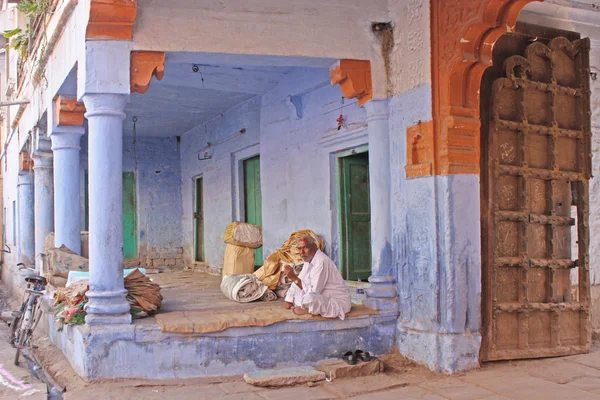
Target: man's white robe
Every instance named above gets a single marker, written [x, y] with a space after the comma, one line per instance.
[324, 291]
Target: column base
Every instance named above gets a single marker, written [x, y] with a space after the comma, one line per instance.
[120, 319]
[382, 295]
[442, 352]
[107, 307]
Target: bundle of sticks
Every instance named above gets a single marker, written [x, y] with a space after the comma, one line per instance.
[143, 294]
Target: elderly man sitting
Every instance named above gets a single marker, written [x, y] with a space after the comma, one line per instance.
[319, 289]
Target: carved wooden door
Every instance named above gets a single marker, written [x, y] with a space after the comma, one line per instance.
[535, 209]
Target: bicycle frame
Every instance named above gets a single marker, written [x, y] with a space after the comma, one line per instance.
[29, 314]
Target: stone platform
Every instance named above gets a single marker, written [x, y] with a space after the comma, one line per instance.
[142, 350]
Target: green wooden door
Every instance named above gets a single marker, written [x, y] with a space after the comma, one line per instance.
[129, 216]
[355, 217]
[199, 220]
[253, 199]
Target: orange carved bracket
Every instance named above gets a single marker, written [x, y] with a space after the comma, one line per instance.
[419, 150]
[145, 65]
[25, 161]
[354, 78]
[111, 19]
[463, 34]
[69, 112]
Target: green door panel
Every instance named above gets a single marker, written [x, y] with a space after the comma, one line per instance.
[199, 220]
[253, 199]
[129, 216]
[355, 217]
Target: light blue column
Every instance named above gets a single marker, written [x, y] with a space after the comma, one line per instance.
[103, 85]
[105, 115]
[26, 237]
[382, 295]
[44, 196]
[67, 221]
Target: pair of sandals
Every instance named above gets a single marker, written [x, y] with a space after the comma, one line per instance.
[353, 357]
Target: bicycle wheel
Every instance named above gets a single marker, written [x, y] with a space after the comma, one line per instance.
[37, 315]
[23, 332]
[15, 323]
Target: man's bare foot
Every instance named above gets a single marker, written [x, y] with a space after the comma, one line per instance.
[300, 310]
[288, 305]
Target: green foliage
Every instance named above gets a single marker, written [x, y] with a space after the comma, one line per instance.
[33, 8]
[19, 40]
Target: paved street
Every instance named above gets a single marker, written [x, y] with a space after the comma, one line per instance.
[575, 377]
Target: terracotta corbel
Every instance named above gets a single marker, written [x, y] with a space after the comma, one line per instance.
[69, 112]
[354, 78]
[145, 65]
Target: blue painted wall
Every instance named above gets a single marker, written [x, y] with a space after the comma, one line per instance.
[158, 189]
[217, 173]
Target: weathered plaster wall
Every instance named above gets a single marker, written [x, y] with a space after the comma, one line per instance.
[158, 167]
[436, 241]
[10, 171]
[410, 58]
[310, 28]
[298, 157]
[216, 173]
[158, 185]
[436, 247]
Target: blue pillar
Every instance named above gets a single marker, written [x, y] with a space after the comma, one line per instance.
[44, 196]
[67, 221]
[26, 237]
[104, 88]
[382, 295]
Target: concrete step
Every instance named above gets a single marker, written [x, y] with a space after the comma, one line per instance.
[341, 369]
[284, 376]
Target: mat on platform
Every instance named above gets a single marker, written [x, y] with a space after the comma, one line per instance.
[219, 320]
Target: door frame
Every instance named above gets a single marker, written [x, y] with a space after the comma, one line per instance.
[194, 227]
[336, 202]
[238, 212]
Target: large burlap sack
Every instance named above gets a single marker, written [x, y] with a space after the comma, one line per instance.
[58, 263]
[243, 234]
[238, 260]
[85, 243]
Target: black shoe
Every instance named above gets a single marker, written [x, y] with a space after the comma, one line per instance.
[363, 356]
[350, 358]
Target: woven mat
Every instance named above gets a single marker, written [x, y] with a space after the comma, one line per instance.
[219, 320]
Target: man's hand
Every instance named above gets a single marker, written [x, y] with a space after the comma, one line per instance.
[288, 305]
[289, 272]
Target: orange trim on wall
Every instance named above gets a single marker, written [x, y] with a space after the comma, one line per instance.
[145, 65]
[69, 112]
[463, 34]
[111, 19]
[354, 78]
[419, 150]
